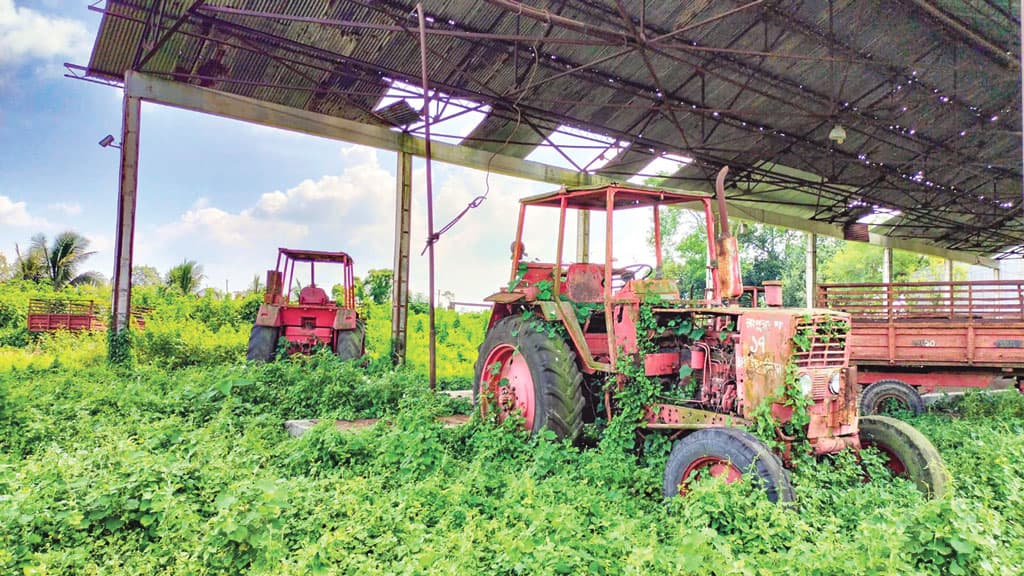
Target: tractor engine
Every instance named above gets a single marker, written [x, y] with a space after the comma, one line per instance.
[803, 354]
[718, 379]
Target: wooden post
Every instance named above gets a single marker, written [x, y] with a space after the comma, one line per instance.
[811, 274]
[583, 236]
[400, 272]
[887, 265]
[947, 274]
[125, 240]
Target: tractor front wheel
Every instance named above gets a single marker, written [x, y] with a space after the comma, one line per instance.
[262, 344]
[907, 452]
[521, 369]
[725, 453]
[885, 396]
[350, 344]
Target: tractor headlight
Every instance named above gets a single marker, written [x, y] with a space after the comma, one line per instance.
[834, 382]
[806, 384]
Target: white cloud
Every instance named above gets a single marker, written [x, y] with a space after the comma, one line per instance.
[26, 34]
[354, 211]
[16, 214]
[67, 208]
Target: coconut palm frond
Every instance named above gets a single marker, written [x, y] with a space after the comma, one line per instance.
[185, 277]
[90, 278]
[58, 262]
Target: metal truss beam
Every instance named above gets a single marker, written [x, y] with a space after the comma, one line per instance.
[189, 97]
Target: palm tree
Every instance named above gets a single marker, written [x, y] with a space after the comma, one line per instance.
[257, 286]
[185, 277]
[28, 266]
[59, 262]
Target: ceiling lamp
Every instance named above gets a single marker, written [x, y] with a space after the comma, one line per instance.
[838, 134]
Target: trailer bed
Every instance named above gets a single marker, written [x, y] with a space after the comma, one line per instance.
[940, 324]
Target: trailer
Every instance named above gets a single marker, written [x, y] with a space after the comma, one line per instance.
[909, 339]
[74, 315]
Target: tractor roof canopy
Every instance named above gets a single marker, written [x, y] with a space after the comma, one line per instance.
[622, 196]
[315, 256]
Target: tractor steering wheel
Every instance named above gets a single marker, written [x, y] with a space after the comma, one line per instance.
[634, 272]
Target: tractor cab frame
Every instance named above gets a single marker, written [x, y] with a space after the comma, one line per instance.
[312, 318]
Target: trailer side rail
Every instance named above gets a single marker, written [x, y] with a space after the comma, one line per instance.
[966, 301]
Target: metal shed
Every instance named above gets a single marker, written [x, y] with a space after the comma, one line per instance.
[828, 111]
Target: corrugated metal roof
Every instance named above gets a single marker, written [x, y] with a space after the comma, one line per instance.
[928, 91]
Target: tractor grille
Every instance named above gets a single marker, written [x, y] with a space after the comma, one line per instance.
[820, 341]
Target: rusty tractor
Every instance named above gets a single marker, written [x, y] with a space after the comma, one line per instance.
[565, 338]
[312, 320]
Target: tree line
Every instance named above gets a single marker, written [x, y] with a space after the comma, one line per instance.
[59, 263]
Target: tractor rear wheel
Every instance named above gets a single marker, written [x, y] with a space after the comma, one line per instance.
[520, 369]
[349, 344]
[885, 396]
[262, 344]
[908, 453]
[725, 453]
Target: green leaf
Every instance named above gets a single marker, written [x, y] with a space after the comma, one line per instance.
[961, 546]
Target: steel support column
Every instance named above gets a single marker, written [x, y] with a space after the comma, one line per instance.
[887, 265]
[128, 187]
[811, 274]
[583, 236]
[400, 273]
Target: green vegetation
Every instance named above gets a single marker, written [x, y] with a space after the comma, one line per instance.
[181, 465]
[189, 471]
[210, 329]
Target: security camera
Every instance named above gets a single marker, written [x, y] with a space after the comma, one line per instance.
[107, 140]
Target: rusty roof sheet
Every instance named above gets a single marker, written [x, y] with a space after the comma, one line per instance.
[927, 91]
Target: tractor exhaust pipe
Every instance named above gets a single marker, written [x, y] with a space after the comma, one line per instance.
[730, 282]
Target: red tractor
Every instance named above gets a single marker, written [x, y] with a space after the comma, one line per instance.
[313, 319]
[564, 339]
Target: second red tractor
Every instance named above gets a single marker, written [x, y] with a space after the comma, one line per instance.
[312, 319]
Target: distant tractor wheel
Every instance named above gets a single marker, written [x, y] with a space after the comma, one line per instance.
[522, 370]
[349, 344]
[908, 453]
[725, 453]
[887, 397]
[262, 344]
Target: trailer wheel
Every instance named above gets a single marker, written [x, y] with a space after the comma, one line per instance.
[350, 344]
[725, 453]
[520, 369]
[262, 344]
[883, 396]
[909, 453]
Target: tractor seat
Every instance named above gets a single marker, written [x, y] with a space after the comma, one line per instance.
[313, 295]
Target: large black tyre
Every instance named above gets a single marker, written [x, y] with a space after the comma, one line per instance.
[729, 452]
[909, 453]
[262, 344]
[557, 384]
[350, 344]
[878, 394]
